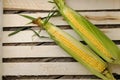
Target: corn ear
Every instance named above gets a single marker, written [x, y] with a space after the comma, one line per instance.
[77, 50]
[95, 38]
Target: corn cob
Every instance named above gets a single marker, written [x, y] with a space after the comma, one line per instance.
[95, 38]
[77, 50]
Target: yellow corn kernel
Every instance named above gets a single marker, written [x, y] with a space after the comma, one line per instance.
[99, 66]
[76, 49]
[88, 35]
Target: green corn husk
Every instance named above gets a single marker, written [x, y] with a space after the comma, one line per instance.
[77, 50]
[95, 38]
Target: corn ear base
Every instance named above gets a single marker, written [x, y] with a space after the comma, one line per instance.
[77, 50]
[95, 38]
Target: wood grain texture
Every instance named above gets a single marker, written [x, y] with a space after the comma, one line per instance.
[49, 68]
[99, 12]
[34, 51]
[26, 36]
[15, 20]
[78, 5]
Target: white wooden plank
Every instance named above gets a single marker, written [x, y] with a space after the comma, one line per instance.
[78, 5]
[33, 51]
[26, 36]
[49, 68]
[15, 20]
[27, 4]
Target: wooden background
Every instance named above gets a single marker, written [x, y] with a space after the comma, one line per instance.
[30, 58]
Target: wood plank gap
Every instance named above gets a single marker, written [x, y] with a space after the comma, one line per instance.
[15, 11]
[39, 59]
[105, 26]
[29, 44]
[117, 42]
[54, 77]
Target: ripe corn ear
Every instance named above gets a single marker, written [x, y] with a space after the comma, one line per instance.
[77, 50]
[95, 38]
